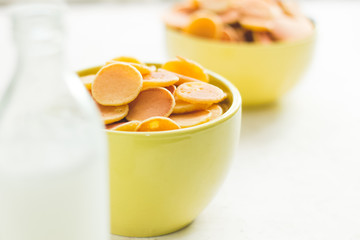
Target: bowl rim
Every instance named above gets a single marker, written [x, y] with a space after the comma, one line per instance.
[218, 43]
[233, 109]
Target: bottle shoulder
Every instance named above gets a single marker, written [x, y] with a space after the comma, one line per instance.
[68, 115]
[63, 133]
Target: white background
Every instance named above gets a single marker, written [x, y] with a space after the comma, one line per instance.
[297, 174]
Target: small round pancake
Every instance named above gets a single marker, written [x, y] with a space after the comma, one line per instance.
[290, 7]
[230, 16]
[186, 7]
[127, 59]
[143, 69]
[191, 119]
[110, 126]
[116, 84]
[240, 34]
[111, 114]
[176, 19]
[255, 8]
[217, 6]
[291, 28]
[204, 25]
[152, 102]
[229, 34]
[88, 80]
[199, 92]
[187, 68]
[185, 107]
[124, 126]
[262, 37]
[157, 124]
[216, 111]
[257, 24]
[159, 79]
[182, 78]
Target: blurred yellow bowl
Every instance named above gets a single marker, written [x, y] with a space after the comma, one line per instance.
[161, 181]
[262, 73]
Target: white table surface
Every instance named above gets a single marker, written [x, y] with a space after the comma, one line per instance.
[297, 174]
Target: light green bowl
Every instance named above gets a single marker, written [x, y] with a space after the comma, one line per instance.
[262, 73]
[161, 181]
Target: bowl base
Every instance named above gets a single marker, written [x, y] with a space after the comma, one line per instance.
[150, 232]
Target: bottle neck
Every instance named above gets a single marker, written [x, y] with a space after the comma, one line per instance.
[39, 35]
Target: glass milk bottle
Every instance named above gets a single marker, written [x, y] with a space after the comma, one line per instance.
[53, 153]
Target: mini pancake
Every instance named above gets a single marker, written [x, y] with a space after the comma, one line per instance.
[111, 114]
[186, 7]
[254, 8]
[195, 3]
[275, 10]
[127, 59]
[191, 119]
[257, 24]
[185, 107]
[262, 37]
[159, 79]
[216, 111]
[229, 34]
[116, 84]
[176, 19]
[182, 78]
[187, 68]
[204, 25]
[143, 69]
[291, 8]
[157, 124]
[214, 5]
[240, 34]
[152, 102]
[290, 28]
[171, 89]
[88, 80]
[200, 92]
[110, 126]
[229, 16]
[208, 18]
[124, 126]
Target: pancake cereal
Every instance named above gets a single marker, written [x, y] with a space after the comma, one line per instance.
[132, 96]
[260, 21]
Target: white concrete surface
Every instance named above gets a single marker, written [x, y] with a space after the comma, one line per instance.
[297, 175]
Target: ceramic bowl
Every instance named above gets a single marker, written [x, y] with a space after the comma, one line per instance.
[160, 181]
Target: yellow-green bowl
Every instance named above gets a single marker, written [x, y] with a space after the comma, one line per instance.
[160, 181]
[262, 73]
